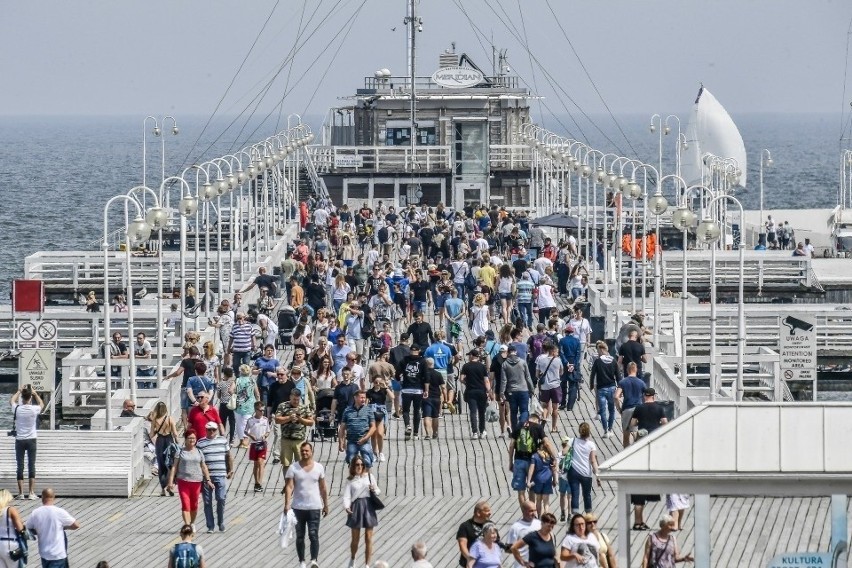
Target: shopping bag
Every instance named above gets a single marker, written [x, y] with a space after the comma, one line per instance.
[286, 529]
[535, 406]
[491, 413]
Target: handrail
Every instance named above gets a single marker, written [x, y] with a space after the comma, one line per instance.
[317, 183]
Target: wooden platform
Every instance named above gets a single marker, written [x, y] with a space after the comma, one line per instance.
[429, 488]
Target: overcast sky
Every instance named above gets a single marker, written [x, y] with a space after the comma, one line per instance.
[166, 56]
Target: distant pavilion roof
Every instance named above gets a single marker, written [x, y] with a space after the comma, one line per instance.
[729, 448]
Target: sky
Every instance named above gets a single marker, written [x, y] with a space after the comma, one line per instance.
[108, 57]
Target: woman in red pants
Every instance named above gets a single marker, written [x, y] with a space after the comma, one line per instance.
[190, 471]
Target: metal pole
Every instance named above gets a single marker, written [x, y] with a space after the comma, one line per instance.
[713, 369]
[107, 337]
[683, 310]
[159, 337]
[131, 352]
[633, 256]
[657, 277]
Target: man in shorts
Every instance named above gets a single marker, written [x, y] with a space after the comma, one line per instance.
[293, 418]
[628, 395]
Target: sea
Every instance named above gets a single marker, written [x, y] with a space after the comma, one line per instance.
[57, 172]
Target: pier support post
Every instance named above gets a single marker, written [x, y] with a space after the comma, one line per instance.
[623, 515]
[702, 531]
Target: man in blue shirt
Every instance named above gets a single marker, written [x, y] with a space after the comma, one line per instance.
[454, 311]
[628, 396]
[339, 353]
[356, 427]
[570, 352]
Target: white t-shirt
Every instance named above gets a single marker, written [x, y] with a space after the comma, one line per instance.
[519, 530]
[306, 493]
[586, 547]
[582, 450]
[25, 420]
[545, 296]
[49, 521]
[582, 330]
[552, 367]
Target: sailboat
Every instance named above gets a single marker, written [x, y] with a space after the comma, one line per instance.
[711, 132]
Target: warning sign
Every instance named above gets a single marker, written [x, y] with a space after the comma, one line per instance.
[798, 347]
[37, 367]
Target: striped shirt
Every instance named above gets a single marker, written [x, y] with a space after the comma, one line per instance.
[241, 335]
[358, 421]
[214, 455]
[525, 291]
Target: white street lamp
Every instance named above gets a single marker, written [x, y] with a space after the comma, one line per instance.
[711, 233]
[761, 236]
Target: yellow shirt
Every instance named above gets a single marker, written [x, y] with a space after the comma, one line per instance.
[488, 275]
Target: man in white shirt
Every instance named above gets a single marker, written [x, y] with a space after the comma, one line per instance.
[528, 523]
[25, 418]
[49, 522]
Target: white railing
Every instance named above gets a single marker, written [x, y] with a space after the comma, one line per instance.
[348, 159]
[509, 156]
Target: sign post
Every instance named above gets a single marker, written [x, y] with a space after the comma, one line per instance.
[37, 341]
[798, 347]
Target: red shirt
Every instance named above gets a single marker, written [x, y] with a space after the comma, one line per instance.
[198, 419]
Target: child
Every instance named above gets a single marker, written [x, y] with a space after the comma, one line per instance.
[541, 478]
[564, 460]
[257, 429]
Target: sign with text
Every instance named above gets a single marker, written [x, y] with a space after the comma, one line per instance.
[37, 367]
[457, 77]
[798, 347]
[38, 334]
[348, 161]
[802, 560]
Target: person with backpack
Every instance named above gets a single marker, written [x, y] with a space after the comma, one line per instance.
[186, 554]
[525, 439]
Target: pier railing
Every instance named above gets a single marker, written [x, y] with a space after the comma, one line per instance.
[368, 159]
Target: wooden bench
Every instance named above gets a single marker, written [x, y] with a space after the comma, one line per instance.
[78, 463]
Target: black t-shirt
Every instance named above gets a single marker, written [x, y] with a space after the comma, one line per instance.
[497, 368]
[542, 553]
[520, 267]
[377, 396]
[421, 334]
[632, 352]
[536, 432]
[397, 354]
[419, 288]
[374, 283]
[436, 381]
[315, 295]
[471, 531]
[391, 218]
[265, 281]
[475, 374]
[279, 392]
[649, 415]
[188, 366]
[345, 396]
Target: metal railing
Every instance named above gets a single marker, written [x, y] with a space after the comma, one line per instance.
[509, 156]
[402, 83]
[426, 159]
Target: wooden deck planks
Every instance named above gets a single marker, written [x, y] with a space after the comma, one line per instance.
[429, 487]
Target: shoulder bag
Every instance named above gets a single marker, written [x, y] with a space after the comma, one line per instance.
[14, 431]
[373, 499]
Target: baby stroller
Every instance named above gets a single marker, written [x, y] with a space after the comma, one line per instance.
[325, 424]
[287, 321]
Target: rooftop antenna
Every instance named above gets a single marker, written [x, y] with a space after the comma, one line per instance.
[415, 24]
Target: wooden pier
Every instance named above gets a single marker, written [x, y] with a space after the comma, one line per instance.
[429, 488]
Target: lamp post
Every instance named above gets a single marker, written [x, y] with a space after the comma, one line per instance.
[761, 236]
[157, 131]
[136, 232]
[709, 231]
[682, 219]
[658, 205]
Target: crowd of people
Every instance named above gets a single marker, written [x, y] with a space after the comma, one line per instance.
[413, 314]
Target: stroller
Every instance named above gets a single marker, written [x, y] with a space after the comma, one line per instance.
[287, 321]
[325, 424]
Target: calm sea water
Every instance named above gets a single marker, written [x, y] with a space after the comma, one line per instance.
[56, 173]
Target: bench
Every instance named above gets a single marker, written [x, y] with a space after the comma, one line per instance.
[81, 463]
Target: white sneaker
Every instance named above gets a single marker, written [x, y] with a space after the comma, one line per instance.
[193, 528]
[302, 564]
[352, 563]
[474, 436]
[381, 457]
[32, 497]
[483, 435]
[314, 564]
[416, 438]
[21, 497]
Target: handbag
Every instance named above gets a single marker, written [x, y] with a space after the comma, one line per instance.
[373, 499]
[232, 401]
[14, 430]
[22, 549]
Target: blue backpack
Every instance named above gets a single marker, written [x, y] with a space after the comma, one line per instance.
[185, 555]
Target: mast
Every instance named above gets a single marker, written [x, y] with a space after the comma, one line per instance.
[414, 25]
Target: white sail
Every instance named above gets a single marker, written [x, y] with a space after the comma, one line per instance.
[710, 131]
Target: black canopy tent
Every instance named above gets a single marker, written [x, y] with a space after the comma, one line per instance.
[557, 220]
